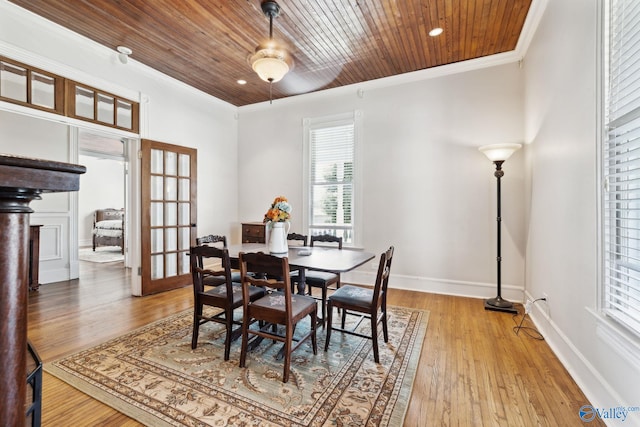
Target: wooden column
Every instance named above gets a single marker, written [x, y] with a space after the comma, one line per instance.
[21, 181]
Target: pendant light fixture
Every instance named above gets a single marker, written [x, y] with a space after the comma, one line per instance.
[269, 61]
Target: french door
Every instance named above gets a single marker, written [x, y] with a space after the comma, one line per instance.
[168, 215]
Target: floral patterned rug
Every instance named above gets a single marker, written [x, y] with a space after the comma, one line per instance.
[154, 376]
[102, 254]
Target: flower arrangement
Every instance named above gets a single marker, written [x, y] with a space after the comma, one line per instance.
[280, 211]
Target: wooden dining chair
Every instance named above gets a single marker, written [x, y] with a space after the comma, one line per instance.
[212, 238]
[301, 239]
[227, 296]
[221, 242]
[298, 240]
[323, 280]
[279, 307]
[367, 303]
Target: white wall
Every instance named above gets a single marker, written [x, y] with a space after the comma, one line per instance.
[427, 189]
[24, 136]
[101, 187]
[170, 111]
[562, 239]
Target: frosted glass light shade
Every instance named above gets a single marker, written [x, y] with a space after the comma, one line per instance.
[270, 64]
[499, 152]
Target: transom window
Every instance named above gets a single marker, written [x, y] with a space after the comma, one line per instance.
[94, 105]
[31, 87]
[28, 86]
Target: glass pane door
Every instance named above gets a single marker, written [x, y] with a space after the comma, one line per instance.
[168, 223]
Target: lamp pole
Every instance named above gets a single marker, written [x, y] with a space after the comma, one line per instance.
[498, 154]
[498, 303]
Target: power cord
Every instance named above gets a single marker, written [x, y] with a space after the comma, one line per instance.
[529, 331]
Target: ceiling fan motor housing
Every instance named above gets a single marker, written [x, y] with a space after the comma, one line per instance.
[270, 8]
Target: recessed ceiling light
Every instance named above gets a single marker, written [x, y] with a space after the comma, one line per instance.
[242, 82]
[435, 32]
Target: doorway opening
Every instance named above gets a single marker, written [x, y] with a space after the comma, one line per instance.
[102, 199]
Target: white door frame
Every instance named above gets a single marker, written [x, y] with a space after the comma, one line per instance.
[132, 205]
[134, 218]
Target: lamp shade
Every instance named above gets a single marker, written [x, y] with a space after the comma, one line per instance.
[499, 152]
[270, 64]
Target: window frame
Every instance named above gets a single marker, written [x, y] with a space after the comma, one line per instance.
[612, 241]
[71, 110]
[310, 124]
[58, 88]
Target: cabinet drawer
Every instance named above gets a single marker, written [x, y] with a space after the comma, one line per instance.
[253, 232]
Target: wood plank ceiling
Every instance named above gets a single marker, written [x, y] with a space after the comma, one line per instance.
[206, 43]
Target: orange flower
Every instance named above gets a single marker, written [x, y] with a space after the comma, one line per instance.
[279, 211]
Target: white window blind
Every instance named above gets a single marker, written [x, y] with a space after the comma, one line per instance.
[621, 168]
[331, 176]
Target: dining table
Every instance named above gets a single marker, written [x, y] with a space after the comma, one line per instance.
[319, 258]
[301, 258]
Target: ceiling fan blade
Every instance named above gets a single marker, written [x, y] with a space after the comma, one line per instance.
[299, 82]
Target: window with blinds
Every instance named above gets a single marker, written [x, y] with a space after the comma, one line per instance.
[331, 179]
[621, 164]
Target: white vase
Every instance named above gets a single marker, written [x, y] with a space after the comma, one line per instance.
[277, 237]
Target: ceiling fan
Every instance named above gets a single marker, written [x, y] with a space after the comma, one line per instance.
[272, 61]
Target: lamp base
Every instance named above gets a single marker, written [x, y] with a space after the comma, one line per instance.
[499, 304]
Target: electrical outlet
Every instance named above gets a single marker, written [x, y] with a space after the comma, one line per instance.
[527, 306]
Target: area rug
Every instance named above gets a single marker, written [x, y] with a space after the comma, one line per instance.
[102, 254]
[153, 376]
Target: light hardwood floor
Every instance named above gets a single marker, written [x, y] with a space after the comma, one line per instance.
[473, 369]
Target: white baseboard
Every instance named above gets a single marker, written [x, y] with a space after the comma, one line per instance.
[596, 388]
[85, 243]
[54, 275]
[439, 286]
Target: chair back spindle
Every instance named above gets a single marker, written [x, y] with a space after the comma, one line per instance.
[382, 278]
[326, 238]
[295, 237]
[197, 256]
[212, 238]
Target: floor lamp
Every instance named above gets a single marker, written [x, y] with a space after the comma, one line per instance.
[498, 154]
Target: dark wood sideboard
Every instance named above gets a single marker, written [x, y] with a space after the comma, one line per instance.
[253, 232]
[22, 180]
